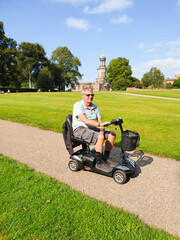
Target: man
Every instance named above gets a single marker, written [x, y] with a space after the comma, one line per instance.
[88, 125]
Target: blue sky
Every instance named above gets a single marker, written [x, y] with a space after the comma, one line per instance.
[144, 31]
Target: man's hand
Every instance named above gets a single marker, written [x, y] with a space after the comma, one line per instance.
[101, 127]
[105, 123]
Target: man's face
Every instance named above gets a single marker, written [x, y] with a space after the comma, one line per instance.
[88, 97]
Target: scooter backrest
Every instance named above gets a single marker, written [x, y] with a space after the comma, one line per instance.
[69, 122]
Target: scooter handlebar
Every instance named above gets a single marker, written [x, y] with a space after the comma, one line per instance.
[117, 121]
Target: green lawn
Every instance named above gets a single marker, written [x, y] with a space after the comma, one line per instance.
[157, 120]
[168, 93]
[34, 206]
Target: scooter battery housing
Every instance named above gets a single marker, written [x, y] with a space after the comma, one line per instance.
[89, 160]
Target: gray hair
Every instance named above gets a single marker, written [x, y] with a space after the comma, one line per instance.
[86, 89]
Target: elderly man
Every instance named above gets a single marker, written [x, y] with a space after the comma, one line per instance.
[88, 125]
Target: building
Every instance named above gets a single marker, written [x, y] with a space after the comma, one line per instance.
[101, 84]
[171, 80]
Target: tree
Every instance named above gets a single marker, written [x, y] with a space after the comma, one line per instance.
[153, 78]
[119, 73]
[176, 83]
[32, 58]
[8, 63]
[69, 65]
[136, 83]
[168, 86]
[45, 80]
[146, 80]
[121, 84]
[56, 71]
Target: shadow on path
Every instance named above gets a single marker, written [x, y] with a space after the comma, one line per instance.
[141, 161]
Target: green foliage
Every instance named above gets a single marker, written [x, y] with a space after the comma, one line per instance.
[34, 206]
[176, 83]
[121, 84]
[69, 65]
[119, 73]
[56, 71]
[8, 63]
[168, 86]
[31, 59]
[154, 78]
[146, 81]
[136, 83]
[45, 80]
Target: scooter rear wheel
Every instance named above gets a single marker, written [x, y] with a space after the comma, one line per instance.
[73, 165]
[119, 176]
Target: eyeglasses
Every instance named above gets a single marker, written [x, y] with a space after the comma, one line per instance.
[88, 95]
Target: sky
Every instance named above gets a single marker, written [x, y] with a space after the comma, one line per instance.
[146, 32]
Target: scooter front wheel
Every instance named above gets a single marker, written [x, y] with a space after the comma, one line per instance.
[73, 165]
[119, 176]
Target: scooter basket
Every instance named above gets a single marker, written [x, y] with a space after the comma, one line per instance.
[129, 140]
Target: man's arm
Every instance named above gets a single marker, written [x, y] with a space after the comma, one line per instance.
[87, 121]
[100, 120]
[102, 124]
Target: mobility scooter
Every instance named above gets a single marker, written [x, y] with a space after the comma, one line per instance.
[84, 158]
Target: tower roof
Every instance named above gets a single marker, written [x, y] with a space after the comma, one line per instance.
[102, 56]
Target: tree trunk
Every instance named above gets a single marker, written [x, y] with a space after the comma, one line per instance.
[30, 82]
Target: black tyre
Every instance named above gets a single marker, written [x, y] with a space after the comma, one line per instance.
[119, 176]
[73, 165]
[135, 174]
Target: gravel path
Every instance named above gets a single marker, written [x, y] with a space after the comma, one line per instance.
[154, 195]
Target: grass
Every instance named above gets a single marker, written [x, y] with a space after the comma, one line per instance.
[168, 93]
[157, 120]
[34, 206]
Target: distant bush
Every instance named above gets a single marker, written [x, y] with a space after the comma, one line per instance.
[176, 83]
[168, 86]
[14, 90]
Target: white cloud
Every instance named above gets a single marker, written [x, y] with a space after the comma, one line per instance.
[173, 43]
[162, 64]
[178, 3]
[174, 52]
[109, 6]
[80, 24]
[151, 50]
[141, 45]
[159, 44]
[169, 48]
[168, 66]
[99, 30]
[75, 1]
[122, 19]
[168, 43]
